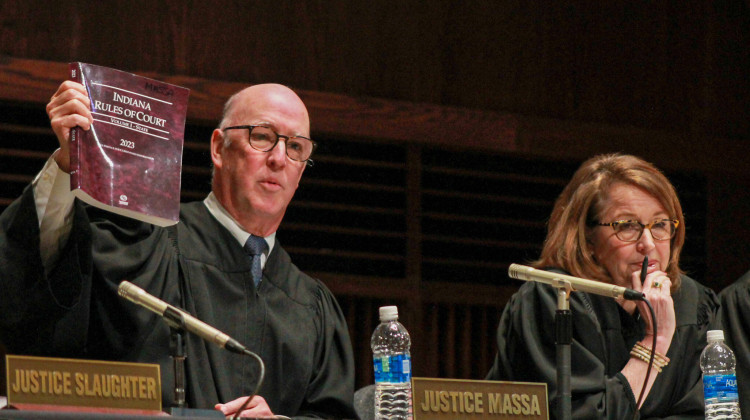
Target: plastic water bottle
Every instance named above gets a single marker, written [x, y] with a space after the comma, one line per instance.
[390, 353]
[719, 379]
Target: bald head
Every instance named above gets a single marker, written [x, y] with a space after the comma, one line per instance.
[266, 96]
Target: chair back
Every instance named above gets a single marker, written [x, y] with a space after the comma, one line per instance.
[364, 402]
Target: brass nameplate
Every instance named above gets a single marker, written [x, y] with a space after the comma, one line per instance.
[83, 383]
[441, 399]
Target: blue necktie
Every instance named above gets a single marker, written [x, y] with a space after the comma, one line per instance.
[254, 247]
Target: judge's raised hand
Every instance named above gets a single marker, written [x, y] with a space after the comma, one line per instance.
[258, 408]
[656, 287]
[69, 107]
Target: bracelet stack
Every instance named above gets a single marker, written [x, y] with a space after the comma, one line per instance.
[644, 353]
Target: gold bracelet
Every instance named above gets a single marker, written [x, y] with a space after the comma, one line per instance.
[644, 353]
[647, 355]
[659, 361]
[657, 356]
[645, 359]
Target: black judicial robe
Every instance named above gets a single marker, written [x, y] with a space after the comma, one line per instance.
[735, 317]
[603, 335]
[292, 320]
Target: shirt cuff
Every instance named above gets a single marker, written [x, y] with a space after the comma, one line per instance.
[54, 207]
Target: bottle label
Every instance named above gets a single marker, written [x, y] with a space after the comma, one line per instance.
[720, 388]
[393, 369]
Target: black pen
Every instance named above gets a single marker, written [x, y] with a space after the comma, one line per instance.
[644, 269]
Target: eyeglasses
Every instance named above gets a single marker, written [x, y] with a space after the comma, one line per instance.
[264, 139]
[632, 230]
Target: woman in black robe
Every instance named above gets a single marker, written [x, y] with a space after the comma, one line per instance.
[616, 210]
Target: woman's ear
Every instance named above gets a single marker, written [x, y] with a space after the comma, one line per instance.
[589, 234]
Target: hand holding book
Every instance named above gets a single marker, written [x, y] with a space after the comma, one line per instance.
[130, 160]
[68, 108]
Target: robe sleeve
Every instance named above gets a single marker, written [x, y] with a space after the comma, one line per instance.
[66, 311]
[31, 302]
[331, 388]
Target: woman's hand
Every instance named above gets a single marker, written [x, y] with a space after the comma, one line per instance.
[657, 288]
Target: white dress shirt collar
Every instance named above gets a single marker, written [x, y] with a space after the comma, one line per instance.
[222, 216]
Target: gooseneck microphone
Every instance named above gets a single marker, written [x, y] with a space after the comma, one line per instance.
[523, 272]
[178, 318]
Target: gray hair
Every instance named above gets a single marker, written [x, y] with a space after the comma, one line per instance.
[228, 105]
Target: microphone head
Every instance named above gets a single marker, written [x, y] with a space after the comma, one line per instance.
[512, 271]
[135, 294]
[519, 272]
[127, 290]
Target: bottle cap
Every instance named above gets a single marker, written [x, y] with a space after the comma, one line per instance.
[715, 335]
[388, 313]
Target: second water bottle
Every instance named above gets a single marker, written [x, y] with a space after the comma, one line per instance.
[719, 379]
[392, 362]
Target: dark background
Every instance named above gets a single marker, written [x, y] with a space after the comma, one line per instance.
[447, 129]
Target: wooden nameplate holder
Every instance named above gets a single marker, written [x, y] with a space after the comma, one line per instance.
[54, 384]
[457, 399]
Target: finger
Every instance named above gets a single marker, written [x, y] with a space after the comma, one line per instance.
[67, 116]
[62, 125]
[67, 86]
[231, 407]
[261, 410]
[662, 285]
[635, 281]
[77, 92]
[250, 413]
[655, 279]
[70, 102]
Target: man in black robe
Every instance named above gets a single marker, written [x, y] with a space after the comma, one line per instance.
[735, 317]
[63, 261]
